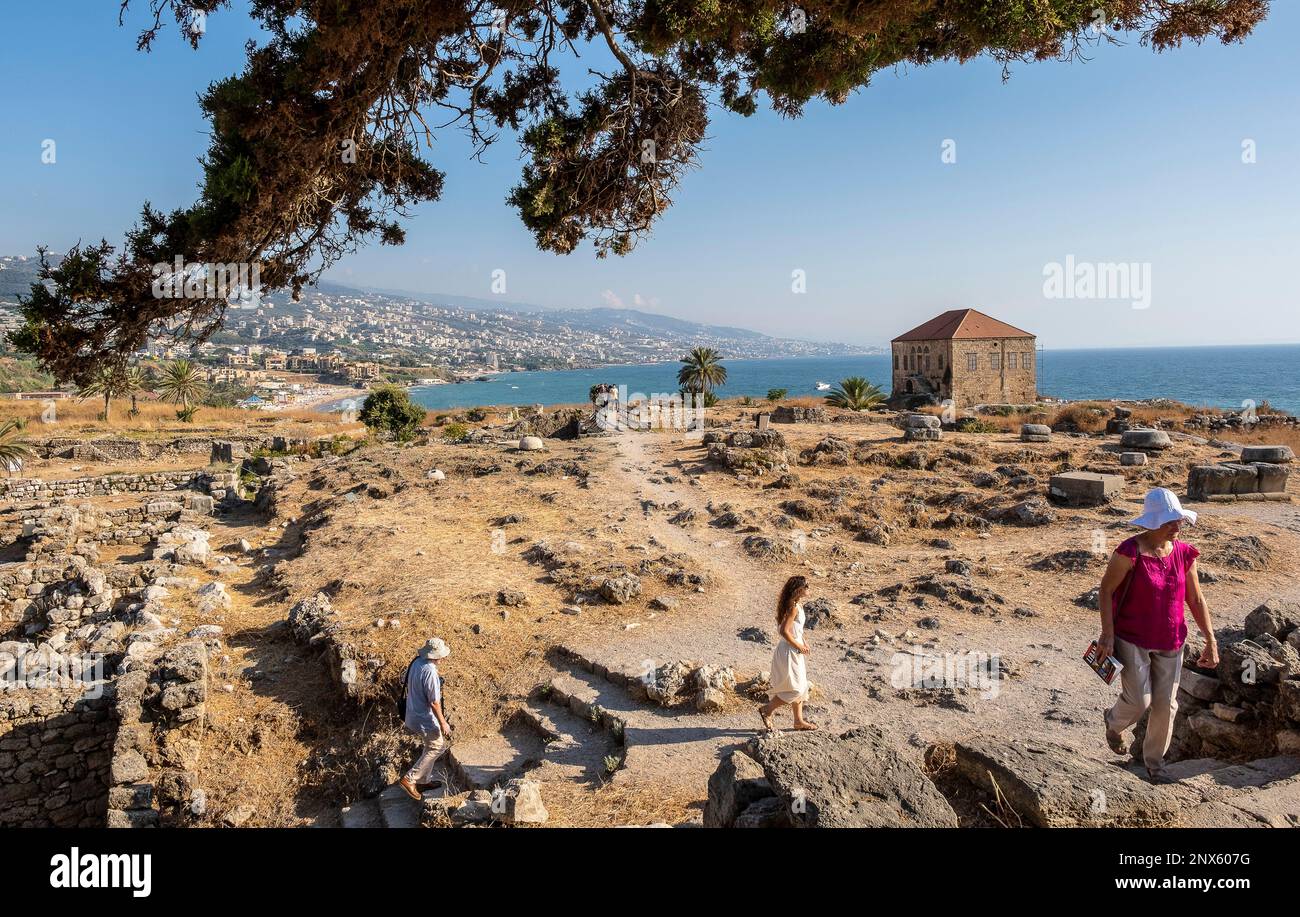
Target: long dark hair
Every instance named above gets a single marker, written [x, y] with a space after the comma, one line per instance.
[785, 605]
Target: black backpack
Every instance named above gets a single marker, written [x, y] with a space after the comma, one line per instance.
[401, 698]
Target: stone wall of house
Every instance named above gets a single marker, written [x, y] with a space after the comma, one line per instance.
[994, 380]
[922, 367]
[55, 749]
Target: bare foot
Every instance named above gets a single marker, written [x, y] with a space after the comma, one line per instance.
[767, 720]
[805, 726]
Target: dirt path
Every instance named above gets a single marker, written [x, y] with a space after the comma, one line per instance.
[1049, 693]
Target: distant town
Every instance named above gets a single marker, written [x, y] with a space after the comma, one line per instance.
[284, 352]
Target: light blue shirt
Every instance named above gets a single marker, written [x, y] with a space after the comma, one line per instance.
[423, 687]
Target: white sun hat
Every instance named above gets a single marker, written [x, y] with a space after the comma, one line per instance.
[1161, 506]
[435, 648]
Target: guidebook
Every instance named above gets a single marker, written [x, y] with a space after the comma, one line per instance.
[1106, 668]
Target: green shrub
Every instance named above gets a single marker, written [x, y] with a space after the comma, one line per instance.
[776, 394]
[455, 432]
[389, 412]
[975, 425]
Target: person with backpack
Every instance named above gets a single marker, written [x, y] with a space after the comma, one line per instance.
[1151, 578]
[421, 710]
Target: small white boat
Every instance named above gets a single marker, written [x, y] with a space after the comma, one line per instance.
[823, 386]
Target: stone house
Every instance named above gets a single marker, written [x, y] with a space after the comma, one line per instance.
[967, 356]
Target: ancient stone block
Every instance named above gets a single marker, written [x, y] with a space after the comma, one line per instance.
[1145, 440]
[1278, 455]
[1084, 488]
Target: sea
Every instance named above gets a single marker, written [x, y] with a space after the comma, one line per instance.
[1230, 377]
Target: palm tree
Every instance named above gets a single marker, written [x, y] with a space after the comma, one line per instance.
[181, 384]
[701, 371]
[856, 394]
[136, 382]
[113, 381]
[13, 446]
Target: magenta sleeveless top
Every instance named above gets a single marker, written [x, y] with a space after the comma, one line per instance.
[1151, 615]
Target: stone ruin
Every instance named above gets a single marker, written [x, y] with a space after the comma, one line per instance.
[1141, 439]
[76, 638]
[1083, 488]
[1261, 474]
[1035, 433]
[796, 414]
[1119, 421]
[74, 633]
[922, 427]
[1250, 706]
[750, 452]
[159, 715]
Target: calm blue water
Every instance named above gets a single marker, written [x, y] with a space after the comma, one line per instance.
[1214, 376]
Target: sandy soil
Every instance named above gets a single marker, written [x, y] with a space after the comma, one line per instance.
[404, 557]
[434, 558]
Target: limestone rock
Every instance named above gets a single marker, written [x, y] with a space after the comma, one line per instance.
[619, 590]
[1275, 618]
[853, 780]
[523, 803]
[1053, 786]
[213, 598]
[733, 787]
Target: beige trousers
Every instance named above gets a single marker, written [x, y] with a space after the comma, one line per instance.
[434, 747]
[1149, 679]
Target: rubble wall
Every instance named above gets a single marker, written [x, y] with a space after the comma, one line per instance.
[55, 749]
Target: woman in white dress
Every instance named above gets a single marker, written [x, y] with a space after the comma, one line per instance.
[789, 679]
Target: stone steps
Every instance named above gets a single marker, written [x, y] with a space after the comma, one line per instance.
[576, 749]
[397, 810]
[364, 813]
[480, 764]
[659, 744]
[392, 808]
[1214, 793]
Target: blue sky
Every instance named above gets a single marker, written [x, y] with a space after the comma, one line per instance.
[1130, 157]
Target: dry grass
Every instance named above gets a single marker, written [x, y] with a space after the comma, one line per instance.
[572, 805]
[1269, 436]
[155, 419]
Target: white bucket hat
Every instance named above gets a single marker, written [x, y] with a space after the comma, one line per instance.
[1161, 506]
[435, 648]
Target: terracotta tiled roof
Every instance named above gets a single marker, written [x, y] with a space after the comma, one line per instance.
[962, 323]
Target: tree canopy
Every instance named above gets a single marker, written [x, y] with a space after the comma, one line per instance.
[389, 411]
[315, 146]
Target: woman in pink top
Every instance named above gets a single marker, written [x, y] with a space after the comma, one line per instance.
[1150, 578]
